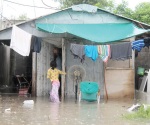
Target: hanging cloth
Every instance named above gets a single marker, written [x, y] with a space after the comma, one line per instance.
[36, 44]
[91, 52]
[147, 42]
[121, 51]
[138, 45]
[20, 41]
[104, 52]
[78, 51]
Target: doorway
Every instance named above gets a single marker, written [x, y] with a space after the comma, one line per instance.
[57, 54]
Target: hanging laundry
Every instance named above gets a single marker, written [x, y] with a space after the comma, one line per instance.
[91, 52]
[121, 51]
[138, 45]
[36, 44]
[147, 42]
[78, 51]
[104, 52]
[20, 41]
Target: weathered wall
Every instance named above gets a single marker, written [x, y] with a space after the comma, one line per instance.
[43, 62]
[94, 71]
[120, 83]
[119, 77]
[142, 60]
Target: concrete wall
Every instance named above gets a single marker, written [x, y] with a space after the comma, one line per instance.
[43, 64]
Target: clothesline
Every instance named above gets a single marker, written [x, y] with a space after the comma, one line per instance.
[119, 51]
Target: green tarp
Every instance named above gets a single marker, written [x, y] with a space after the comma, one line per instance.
[101, 33]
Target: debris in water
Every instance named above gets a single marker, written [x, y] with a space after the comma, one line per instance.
[143, 112]
[28, 102]
[133, 107]
[8, 110]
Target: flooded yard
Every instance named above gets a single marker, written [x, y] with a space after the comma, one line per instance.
[43, 112]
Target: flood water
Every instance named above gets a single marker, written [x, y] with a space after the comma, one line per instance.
[69, 112]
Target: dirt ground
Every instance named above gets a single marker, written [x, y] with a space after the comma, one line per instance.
[14, 112]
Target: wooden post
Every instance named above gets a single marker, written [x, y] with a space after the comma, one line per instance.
[63, 78]
[133, 59]
[133, 65]
[34, 73]
[105, 87]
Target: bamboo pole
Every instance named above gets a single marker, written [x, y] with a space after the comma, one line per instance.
[63, 69]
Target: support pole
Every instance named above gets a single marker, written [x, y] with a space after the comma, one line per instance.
[133, 66]
[63, 77]
[34, 73]
[105, 87]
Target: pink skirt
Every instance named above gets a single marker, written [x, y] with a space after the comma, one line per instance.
[54, 96]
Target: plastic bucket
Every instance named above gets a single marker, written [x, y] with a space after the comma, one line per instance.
[140, 71]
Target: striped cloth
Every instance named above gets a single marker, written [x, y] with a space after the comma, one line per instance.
[138, 45]
[104, 52]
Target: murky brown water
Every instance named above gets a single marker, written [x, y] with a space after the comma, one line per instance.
[68, 112]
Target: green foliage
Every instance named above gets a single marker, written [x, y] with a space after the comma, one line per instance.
[69, 3]
[140, 114]
[106, 4]
[122, 9]
[142, 12]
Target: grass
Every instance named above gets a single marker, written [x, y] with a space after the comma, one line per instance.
[140, 114]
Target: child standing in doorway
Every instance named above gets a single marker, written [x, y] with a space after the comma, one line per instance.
[53, 74]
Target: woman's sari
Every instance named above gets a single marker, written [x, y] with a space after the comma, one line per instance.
[54, 97]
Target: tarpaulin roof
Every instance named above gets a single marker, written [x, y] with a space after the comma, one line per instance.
[100, 33]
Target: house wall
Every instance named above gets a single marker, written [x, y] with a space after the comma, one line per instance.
[119, 77]
[94, 71]
[43, 64]
[120, 83]
[142, 60]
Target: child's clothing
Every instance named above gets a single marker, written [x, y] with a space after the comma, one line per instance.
[53, 75]
[54, 97]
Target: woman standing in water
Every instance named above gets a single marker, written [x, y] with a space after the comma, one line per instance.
[53, 74]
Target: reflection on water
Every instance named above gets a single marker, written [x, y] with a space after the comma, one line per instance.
[43, 112]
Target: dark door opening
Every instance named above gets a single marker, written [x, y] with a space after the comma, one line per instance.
[13, 64]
